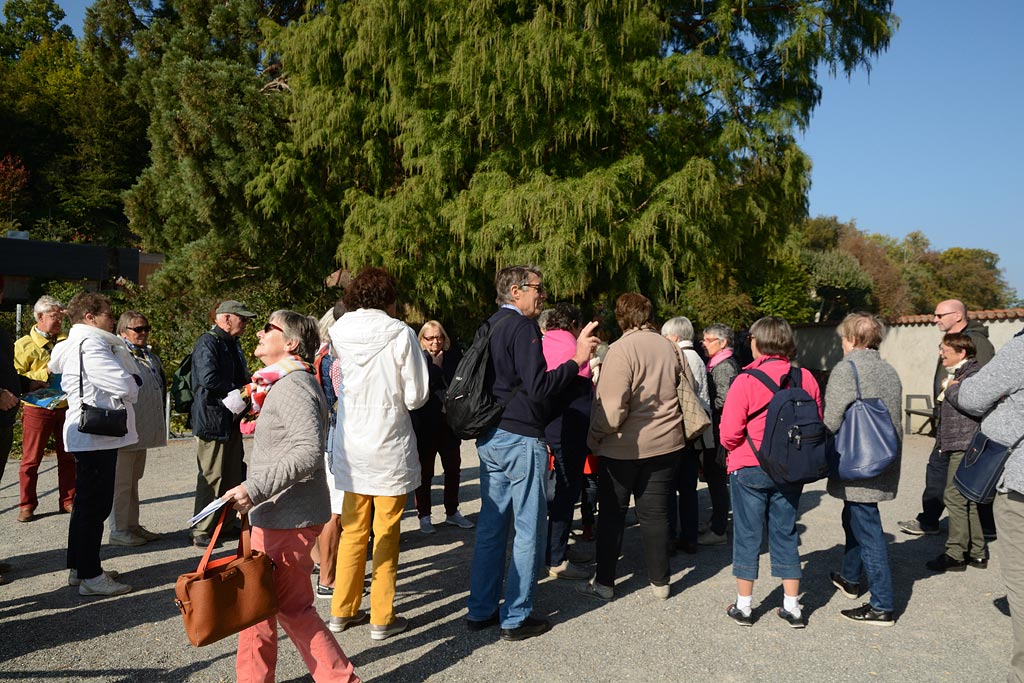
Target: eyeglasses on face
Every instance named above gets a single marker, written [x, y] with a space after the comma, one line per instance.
[942, 315]
[709, 340]
[271, 326]
[434, 338]
[141, 329]
[536, 285]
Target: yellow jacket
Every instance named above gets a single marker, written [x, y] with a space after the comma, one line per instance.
[32, 354]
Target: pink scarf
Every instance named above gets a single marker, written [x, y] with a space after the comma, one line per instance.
[718, 358]
[559, 346]
[263, 379]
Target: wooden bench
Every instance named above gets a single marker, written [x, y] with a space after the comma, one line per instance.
[923, 412]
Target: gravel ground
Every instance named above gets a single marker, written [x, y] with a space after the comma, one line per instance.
[950, 627]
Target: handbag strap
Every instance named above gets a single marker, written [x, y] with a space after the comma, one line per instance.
[856, 378]
[81, 374]
[244, 549]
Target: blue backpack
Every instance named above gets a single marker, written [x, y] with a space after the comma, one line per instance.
[797, 448]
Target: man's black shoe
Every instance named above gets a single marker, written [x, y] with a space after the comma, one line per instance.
[480, 625]
[847, 588]
[866, 614]
[978, 562]
[945, 563]
[528, 628]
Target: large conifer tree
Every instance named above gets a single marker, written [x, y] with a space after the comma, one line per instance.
[617, 144]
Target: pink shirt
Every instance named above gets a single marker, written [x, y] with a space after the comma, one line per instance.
[747, 395]
[559, 346]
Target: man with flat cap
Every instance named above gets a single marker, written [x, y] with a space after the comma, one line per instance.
[218, 368]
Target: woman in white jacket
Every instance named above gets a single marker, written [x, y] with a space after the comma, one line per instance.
[96, 368]
[383, 377]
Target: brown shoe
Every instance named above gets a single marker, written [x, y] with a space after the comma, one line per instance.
[25, 515]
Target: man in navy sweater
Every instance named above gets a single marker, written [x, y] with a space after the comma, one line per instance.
[513, 457]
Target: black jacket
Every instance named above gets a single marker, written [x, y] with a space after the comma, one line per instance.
[218, 367]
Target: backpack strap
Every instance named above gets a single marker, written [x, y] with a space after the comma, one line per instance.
[792, 378]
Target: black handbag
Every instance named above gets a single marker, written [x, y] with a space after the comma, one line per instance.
[99, 421]
[981, 468]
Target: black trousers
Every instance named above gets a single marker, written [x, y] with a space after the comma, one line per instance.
[649, 481]
[94, 496]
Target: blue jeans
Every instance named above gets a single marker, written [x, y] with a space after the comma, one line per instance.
[754, 497]
[866, 551]
[512, 474]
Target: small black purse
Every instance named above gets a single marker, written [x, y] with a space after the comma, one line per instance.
[99, 421]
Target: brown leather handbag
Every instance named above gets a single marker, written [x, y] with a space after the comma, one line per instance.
[695, 418]
[229, 594]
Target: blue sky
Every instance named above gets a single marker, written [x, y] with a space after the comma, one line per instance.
[931, 141]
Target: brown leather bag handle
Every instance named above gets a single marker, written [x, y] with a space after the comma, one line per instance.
[244, 544]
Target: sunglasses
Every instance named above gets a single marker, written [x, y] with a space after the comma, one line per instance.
[271, 326]
[141, 329]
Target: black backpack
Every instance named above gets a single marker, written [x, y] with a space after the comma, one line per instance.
[797, 448]
[470, 407]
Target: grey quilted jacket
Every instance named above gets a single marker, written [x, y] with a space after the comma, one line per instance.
[286, 477]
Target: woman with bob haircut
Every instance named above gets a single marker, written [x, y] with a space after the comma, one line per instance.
[285, 495]
[865, 550]
[376, 463]
[433, 435]
[755, 496]
[636, 432]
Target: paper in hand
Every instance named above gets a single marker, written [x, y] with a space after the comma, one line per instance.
[217, 504]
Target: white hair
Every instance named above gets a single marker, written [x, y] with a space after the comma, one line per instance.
[44, 304]
[680, 327]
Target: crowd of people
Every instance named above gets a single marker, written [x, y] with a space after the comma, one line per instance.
[350, 418]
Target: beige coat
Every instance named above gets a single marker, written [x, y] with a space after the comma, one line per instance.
[636, 410]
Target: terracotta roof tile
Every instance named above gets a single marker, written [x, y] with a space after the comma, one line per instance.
[998, 314]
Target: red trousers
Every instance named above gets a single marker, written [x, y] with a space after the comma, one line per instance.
[257, 645]
[37, 425]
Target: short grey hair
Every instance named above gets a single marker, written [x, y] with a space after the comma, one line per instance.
[720, 331]
[44, 304]
[303, 329]
[512, 276]
[680, 327]
[127, 318]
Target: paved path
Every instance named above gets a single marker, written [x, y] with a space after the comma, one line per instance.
[949, 629]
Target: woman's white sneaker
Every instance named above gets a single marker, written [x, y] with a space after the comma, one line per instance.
[73, 579]
[103, 585]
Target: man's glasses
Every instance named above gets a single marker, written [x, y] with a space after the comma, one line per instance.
[536, 285]
[940, 316]
[141, 329]
[271, 326]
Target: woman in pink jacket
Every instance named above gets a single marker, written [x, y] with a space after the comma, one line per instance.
[754, 495]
